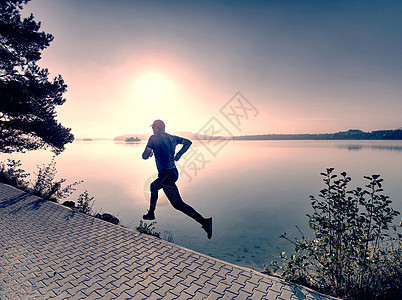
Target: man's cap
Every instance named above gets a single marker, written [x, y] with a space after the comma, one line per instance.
[159, 124]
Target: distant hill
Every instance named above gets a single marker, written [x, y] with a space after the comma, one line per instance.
[352, 134]
[197, 136]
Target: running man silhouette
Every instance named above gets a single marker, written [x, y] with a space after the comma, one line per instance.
[163, 145]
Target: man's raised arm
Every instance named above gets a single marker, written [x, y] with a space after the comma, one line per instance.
[186, 144]
[147, 153]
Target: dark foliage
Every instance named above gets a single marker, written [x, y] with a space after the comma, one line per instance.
[27, 98]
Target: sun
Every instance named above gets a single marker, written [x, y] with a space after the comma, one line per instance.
[153, 87]
[152, 94]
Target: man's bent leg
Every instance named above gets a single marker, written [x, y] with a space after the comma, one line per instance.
[155, 187]
[172, 193]
[154, 195]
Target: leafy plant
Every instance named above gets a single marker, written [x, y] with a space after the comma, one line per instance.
[46, 187]
[11, 173]
[356, 252]
[148, 229]
[43, 184]
[84, 203]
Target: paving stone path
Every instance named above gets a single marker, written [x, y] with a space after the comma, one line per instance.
[49, 251]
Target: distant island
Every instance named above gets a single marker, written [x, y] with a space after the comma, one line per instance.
[131, 135]
[352, 134]
[132, 140]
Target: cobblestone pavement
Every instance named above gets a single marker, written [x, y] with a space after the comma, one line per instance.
[49, 251]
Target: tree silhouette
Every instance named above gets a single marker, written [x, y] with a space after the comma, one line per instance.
[27, 97]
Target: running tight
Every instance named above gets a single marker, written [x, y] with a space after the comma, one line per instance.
[167, 181]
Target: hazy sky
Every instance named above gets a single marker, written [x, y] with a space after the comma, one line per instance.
[305, 66]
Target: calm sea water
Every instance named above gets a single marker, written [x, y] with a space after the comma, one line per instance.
[254, 190]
